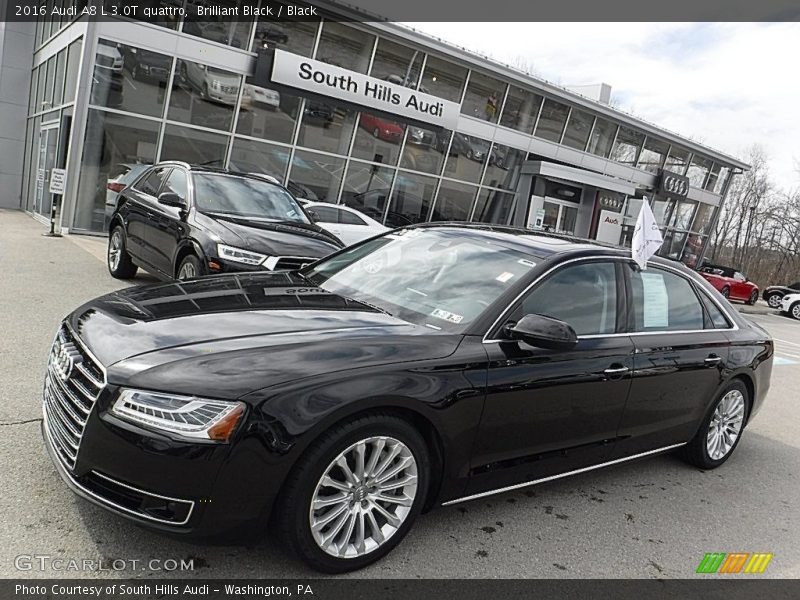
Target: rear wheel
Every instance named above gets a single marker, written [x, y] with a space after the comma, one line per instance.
[721, 429]
[190, 268]
[753, 298]
[794, 310]
[355, 493]
[774, 300]
[118, 260]
[726, 291]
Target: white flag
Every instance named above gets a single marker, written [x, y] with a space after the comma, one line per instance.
[646, 237]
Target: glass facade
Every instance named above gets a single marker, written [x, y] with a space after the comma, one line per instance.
[147, 105]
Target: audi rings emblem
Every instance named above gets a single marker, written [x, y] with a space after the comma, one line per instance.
[64, 359]
[674, 184]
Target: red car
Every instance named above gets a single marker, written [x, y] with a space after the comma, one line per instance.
[381, 129]
[731, 283]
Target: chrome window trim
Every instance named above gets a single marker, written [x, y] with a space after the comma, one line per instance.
[724, 311]
[562, 475]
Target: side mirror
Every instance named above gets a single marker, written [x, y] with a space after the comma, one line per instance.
[172, 199]
[542, 332]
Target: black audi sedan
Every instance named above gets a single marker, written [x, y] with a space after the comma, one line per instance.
[435, 364]
[179, 221]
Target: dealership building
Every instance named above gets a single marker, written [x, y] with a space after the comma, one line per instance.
[393, 122]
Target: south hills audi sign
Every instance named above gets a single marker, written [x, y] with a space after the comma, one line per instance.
[349, 86]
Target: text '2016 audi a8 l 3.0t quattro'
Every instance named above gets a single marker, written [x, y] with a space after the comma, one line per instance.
[432, 365]
[179, 221]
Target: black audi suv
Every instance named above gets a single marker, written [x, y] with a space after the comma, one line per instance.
[435, 364]
[179, 221]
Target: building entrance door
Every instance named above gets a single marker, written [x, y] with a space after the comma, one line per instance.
[559, 216]
[42, 200]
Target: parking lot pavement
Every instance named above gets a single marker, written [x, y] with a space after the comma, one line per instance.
[653, 518]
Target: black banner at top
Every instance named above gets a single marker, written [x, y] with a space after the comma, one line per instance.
[160, 11]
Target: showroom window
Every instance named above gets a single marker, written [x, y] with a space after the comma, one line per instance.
[296, 37]
[378, 139]
[366, 188]
[578, 129]
[454, 201]
[345, 46]
[692, 250]
[315, 177]
[396, 63]
[130, 79]
[679, 308]
[111, 140]
[73, 64]
[682, 216]
[32, 108]
[672, 247]
[627, 146]
[602, 137]
[203, 95]
[194, 146]
[698, 169]
[326, 127]
[483, 97]
[47, 99]
[702, 218]
[58, 84]
[493, 206]
[722, 178]
[411, 199]
[551, 121]
[503, 168]
[41, 76]
[467, 158]
[220, 29]
[259, 157]
[443, 79]
[677, 160]
[652, 155]
[267, 113]
[424, 149]
[520, 110]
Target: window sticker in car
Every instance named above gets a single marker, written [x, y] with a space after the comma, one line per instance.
[655, 300]
[526, 263]
[504, 277]
[447, 315]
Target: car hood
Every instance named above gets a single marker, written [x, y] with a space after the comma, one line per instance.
[229, 335]
[273, 239]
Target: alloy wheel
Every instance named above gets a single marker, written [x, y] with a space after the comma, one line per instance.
[774, 301]
[796, 310]
[363, 497]
[726, 425]
[115, 249]
[187, 271]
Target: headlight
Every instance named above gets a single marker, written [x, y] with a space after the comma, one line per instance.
[239, 255]
[187, 416]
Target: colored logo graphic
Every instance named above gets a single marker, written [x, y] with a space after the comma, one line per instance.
[735, 562]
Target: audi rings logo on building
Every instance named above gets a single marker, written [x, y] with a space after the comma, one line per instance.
[64, 359]
[672, 183]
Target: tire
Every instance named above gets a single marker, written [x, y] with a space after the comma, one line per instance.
[726, 292]
[118, 260]
[189, 268]
[753, 298]
[774, 300]
[293, 515]
[794, 311]
[738, 400]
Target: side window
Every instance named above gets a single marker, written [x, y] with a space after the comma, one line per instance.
[325, 214]
[583, 295]
[150, 184]
[348, 218]
[664, 301]
[176, 183]
[739, 276]
[718, 320]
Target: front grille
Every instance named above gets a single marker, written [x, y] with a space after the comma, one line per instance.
[73, 383]
[292, 263]
[229, 89]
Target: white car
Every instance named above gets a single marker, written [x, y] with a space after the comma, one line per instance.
[108, 58]
[214, 84]
[790, 304]
[346, 223]
[254, 94]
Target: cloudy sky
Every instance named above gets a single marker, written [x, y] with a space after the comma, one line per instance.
[726, 85]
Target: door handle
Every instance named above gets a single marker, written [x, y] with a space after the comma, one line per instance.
[712, 360]
[612, 372]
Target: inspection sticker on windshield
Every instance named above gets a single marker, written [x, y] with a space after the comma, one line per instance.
[503, 277]
[446, 315]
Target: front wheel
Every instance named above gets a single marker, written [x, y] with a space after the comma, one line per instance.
[118, 260]
[753, 298]
[774, 300]
[355, 493]
[726, 292]
[189, 268]
[721, 429]
[795, 310]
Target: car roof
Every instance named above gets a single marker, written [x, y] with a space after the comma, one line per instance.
[195, 168]
[539, 243]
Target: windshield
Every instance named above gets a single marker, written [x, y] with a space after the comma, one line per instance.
[440, 278]
[245, 197]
